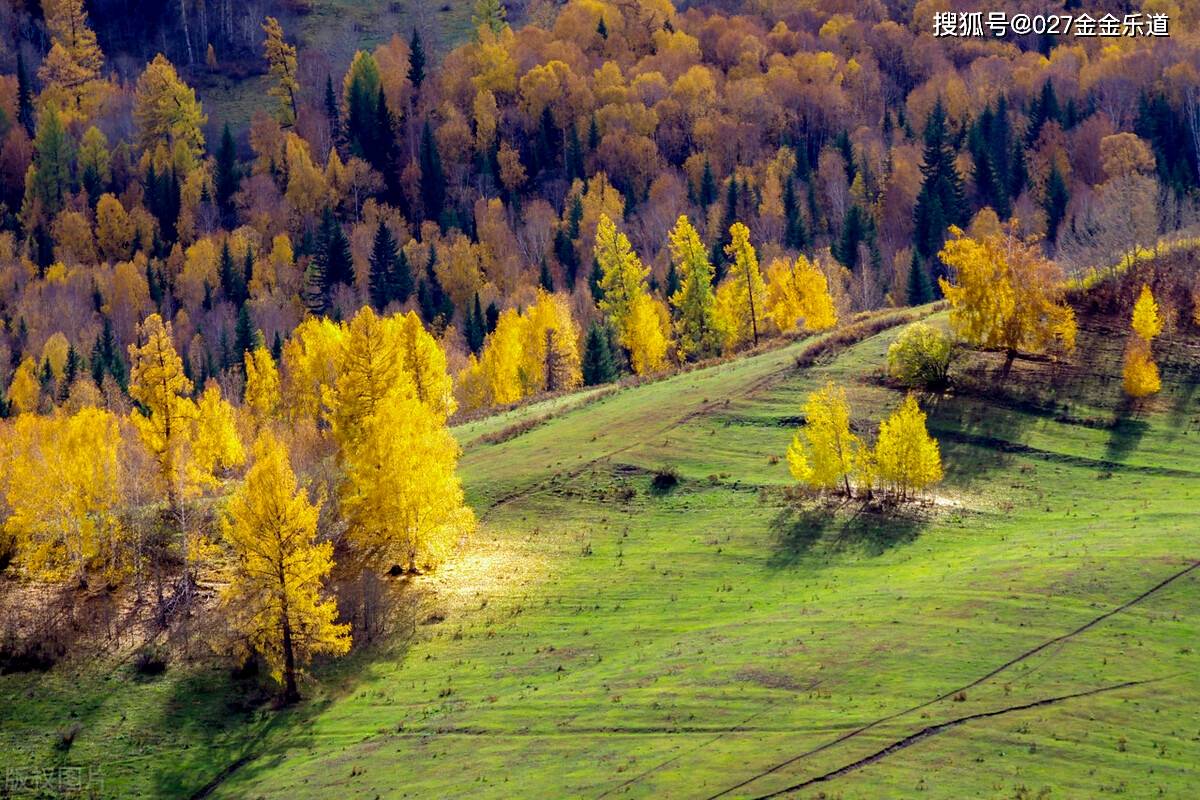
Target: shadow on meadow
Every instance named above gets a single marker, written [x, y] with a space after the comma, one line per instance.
[799, 531]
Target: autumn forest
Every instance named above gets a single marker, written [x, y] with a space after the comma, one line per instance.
[291, 344]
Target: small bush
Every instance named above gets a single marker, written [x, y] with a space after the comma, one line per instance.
[920, 356]
[665, 479]
[150, 660]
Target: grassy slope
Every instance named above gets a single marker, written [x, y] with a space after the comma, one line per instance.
[601, 640]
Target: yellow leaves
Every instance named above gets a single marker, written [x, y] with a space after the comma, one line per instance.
[310, 358]
[823, 455]
[827, 455]
[262, 384]
[70, 72]
[697, 329]
[275, 579]
[799, 293]
[526, 354]
[62, 485]
[512, 171]
[281, 59]
[1125, 154]
[907, 458]
[1146, 321]
[166, 111]
[401, 495]
[487, 117]
[624, 277]
[1140, 375]
[745, 299]
[24, 391]
[369, 372]
[495, 69]
[307, 190]
[1005, 294]
[215, 443]
[114, 228]
[645, 334]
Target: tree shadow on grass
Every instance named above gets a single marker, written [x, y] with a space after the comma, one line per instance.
[800, 531]
[1126, 432]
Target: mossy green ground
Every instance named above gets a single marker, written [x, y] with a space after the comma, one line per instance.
[600, 639]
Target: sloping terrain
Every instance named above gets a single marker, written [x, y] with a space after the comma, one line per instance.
[1031, 630]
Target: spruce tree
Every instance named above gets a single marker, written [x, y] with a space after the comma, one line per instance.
[1055, 203]
[475, 326]
[402, 278]
[545, 279]
[940, 203]
[433, 179]
[574, 158]
[25, 113]
[331, 265]
[919, 290]
[708, 186]
[416, 60]
[246, 338]
[383, 268]
[227, 176]
[598, 365]
[794, 235]
[333, 112]
[227, 272]
[491, 317]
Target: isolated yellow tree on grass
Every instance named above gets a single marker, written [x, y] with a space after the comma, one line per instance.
[1140, 374]
[907, 458]
[1005, 294]
[825, 453]
[276, 576]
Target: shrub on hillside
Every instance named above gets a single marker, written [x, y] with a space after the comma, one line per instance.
[920, 356]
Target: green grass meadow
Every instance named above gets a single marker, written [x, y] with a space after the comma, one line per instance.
[601, 637]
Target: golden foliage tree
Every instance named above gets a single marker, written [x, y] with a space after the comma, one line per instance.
[62, 486]
[70, 73]
[114, 228]
[24, 391]
[825, 454]
[166, 112]
[262, 385]
[697, 328]
[281, 60]
[1005, 294]
[401, 493]
[1140, 374]
[158, 384]
[798, 292]
[907, 458]
[623, 276]
[646, 334]
[747, 294]
[276, 576]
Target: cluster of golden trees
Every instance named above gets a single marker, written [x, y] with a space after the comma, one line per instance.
[827, 455]
[372, 395]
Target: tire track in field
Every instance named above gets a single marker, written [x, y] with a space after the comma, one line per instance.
[1167, 581]
[933, 730]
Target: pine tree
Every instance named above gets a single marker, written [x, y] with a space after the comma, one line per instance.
[416, 60]
[598, 365]
[50, 178]
[383, 268]
[333, 112]
[402, 278]
[1055, 203]
[332, 264]
[475, 327]
[857, 229]
[545, 279]
[794, 235]
[227, 272]
[492, 316]
[708, 186]
[246, 338]
[275, 581]
[25, 113]
[574, 157]
[940, 203]
[433, 180]
[227, 176]
[919, 290]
